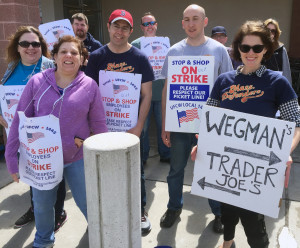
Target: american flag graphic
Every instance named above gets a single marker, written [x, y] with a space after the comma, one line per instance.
[31, 137]
[57, 33]
[119, 88]
[155, 49]
[187, 115]
[11, 102]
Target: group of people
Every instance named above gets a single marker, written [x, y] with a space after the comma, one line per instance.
[68, 89]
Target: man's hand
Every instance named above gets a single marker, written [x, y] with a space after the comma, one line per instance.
[194, 150]
[165, 136]
[136, 131]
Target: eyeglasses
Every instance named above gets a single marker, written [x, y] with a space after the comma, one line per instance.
[273, 31]
[124, 29]
[255, 48]
[146, 24]
[26, 44]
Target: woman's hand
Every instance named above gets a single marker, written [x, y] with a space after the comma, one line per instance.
[78, 142]
[3, 122]
[194, 150]
[15, 177]
[287, 171]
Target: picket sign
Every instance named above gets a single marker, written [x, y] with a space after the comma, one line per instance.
[241, 159]
[10, 96]
[190, 81]
[41, 155]
[120, 93]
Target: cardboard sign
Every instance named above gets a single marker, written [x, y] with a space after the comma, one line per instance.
[41, 157]
[52, 31]
[190, 81]
[120, 93]
[156, 49]
[10, 96]
[241, 159]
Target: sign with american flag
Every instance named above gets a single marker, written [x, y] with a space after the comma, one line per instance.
[190, 81]
[10, 96]
[52, 31]
[41, 156]
[156, 48]
[120, 93]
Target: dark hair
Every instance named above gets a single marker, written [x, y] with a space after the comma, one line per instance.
[12, 53]
[147, 14]
[69, 38]
[256, 28]
[278, 31]
[79, 17]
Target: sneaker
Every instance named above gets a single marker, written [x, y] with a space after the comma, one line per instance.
[169, 218]
[60, 221]
[165, 160]
[218, 226]
[25, 219]
[145, 224]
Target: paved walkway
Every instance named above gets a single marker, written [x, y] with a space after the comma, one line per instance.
[194, 229]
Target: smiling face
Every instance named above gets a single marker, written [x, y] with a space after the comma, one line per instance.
[30, 55]
[119, 33]
[252, 60]
[150, 30]
[68, 59]
[194, 22]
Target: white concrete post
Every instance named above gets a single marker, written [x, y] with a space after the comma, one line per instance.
[112, 174]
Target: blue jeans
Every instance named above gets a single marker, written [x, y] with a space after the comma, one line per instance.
[164, 151]
[181, 144]
[44, 201]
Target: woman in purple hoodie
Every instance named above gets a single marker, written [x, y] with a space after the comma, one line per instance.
[75, 99]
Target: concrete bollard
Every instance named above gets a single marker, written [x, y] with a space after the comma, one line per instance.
[112, 175]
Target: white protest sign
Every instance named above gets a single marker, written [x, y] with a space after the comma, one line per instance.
[156, 49]
[52, 31]
[241, 159]
[10, 96]
[190, 81]
[41, 157]
[120, 93]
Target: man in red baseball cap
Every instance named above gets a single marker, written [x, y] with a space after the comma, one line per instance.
[118, 55]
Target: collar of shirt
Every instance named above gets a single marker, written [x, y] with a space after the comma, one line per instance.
[258, 72]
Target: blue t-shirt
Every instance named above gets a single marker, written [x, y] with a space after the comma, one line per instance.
[132, 61]
[23, 73]
[252, 94]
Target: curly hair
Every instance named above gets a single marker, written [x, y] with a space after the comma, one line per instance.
[69, 38]
[12, 53]
[256, 28]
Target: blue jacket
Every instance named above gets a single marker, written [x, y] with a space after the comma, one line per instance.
[91, 43]
[46, 64]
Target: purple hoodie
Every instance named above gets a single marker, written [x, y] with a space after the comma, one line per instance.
[81, 112]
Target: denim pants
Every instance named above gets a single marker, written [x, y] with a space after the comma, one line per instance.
[164, 151]
[181, 145]
[44, 201]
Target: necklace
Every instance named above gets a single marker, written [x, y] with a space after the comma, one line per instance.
[31, 74]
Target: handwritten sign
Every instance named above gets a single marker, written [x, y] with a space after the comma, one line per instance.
[41, 157]
[120, 93]
[241, 159]
[10, 96]
[156, 49]
[190, 81]
[52, 31]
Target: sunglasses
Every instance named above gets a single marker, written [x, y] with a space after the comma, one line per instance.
[255, 48]
[273, 31]
[26, 44]
[146, 24]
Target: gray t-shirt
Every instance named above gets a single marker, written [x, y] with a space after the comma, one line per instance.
[208, 48]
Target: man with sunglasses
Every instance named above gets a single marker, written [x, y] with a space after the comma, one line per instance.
[149, 28]
[196, 44]
[119, 55]
[80, 27]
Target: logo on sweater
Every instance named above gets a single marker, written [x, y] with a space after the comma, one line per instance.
[244, 92]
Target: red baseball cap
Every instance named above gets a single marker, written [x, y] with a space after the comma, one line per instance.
[120, 14]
